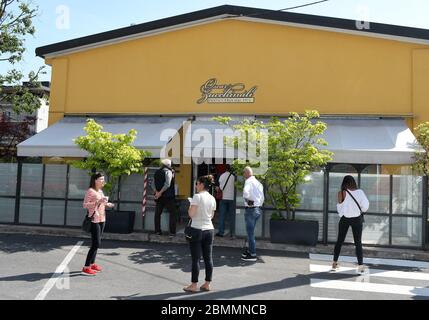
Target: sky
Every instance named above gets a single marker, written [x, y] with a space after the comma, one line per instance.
[60, 20]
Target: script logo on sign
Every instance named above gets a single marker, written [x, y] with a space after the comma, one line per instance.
[212, 92]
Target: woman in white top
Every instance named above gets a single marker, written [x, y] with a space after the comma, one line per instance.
[202, 211]
[352, 204]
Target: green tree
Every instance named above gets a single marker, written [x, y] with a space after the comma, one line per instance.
[111, 154]
[294, 151]
[421, 165]
[16, 24]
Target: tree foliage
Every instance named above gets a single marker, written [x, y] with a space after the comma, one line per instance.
[112, 154]
[421, 165]
[294, 150]
[16, 23]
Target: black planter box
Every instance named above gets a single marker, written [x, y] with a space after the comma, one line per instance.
[294, 232]
[121, 222]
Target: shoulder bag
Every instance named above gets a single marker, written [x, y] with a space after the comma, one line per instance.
[219, 194]
[188, 231]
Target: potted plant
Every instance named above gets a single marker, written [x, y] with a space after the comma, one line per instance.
[114, 156]
[293, 152]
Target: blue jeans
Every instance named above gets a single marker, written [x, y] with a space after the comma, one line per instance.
[226, 210]
[252, 216]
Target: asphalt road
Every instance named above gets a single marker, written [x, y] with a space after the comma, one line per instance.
[39, 267]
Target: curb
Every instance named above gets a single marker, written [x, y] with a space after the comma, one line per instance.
[370, 252]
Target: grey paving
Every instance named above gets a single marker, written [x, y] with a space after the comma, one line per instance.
[159, 271]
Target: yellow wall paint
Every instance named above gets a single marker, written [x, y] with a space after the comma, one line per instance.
[294, 68]
[421, 86]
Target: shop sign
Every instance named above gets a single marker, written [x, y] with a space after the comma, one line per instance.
[212, 93]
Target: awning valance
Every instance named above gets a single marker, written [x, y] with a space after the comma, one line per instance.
[354, 141]
[57, 140]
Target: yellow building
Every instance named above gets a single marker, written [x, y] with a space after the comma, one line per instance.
[368, 81]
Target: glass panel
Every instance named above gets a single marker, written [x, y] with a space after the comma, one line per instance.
[149, 220]
[29, 211]
[407, 195]
[240, 225]
[407, 231]
[312, 192]
[75, 213]
[78, 183]
[53, 212]
[132, 188]
[137, 208]
[335, 182]
[377, 189]
[55, 181]
[31, 185]
[7, 210]
[312, 216]
[8, 177]
[375, 230]
[239, 199]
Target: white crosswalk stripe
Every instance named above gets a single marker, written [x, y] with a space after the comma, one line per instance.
[370, 287]
[369, 282]
[376, 261]
[374, 272]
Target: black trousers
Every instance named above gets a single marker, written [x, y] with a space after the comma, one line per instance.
[96, 233]
[170, 204]
[357, 226]
[202, 244]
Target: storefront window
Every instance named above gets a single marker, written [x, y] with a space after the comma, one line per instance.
[7, 210]
[75, 213]
[377, 189]
[29, 211]
[53, 212]
[406, 231]
[375, 230]
[31, 184]
[312, 192]
[335, 182]
[8, 176]
[78, 183]
[407, 195]
[55, 181]
[132, 188]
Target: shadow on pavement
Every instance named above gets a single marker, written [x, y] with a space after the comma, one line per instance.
[34, 277]
[13, 243]
[238, 293]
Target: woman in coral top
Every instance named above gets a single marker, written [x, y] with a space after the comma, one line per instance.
[95, 202]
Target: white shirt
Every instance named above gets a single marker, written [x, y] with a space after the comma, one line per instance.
[254, 191]
[349, 208]
[228, 192]
[206, 204]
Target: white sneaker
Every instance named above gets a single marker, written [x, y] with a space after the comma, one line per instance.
[361, 269]
[335, 267]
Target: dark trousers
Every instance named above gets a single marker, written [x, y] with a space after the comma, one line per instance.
[170, 204]
[357, 226]
[227, 210]
[96, 233]
[202, 244]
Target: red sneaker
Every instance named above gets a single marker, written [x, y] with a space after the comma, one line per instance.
[96, 268]
[87, 271]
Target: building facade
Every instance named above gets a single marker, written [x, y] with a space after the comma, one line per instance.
[368, 84]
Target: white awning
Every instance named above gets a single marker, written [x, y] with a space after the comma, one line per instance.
[371, 141]
[354, 141]
[57, 141]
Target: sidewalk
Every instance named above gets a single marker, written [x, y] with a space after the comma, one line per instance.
[348, 250]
